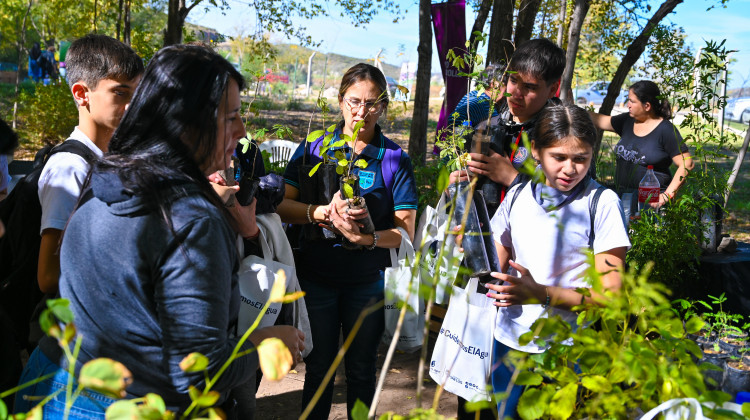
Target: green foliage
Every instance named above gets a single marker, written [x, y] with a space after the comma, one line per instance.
[46, 115]
[425, 175]
[671, 239]
[631, 353]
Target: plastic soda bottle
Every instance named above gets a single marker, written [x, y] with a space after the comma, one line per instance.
[648, 189]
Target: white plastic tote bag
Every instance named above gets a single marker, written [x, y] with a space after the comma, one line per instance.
[256, 276]
[431, 237]
[398, 283]
[462, 358]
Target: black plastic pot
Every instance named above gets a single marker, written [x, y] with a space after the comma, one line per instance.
[735, 379]
[732, 346]
[480, 255]
[714, 378]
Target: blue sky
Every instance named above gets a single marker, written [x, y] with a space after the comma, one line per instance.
[400, 40]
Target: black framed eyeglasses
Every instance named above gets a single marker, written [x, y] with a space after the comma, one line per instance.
[371, 107]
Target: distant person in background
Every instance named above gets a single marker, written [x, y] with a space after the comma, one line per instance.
[478, 108]
[647, 138]
[35, 71]
[48, 65]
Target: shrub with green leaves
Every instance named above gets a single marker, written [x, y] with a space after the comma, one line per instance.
[46, 115]
[629, 354]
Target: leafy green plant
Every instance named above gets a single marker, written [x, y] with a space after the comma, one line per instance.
[629, 354]
[46, 115]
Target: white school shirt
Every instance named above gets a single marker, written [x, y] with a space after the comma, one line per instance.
[60, 183]
[550, 245]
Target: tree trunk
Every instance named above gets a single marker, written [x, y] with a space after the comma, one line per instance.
[484, 11]
[173, 33]
[633, 53]
[574, 36]
[561, 28]
[500, 47]
[21, 48]
[126, 23]
[737, 166]
[526, 17]
[119, 19]
[418, 131]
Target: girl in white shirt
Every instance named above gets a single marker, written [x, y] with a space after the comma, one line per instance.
[542, 232]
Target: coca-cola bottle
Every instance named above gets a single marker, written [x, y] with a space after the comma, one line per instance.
[648, 190]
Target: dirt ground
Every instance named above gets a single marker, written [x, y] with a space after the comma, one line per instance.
[282, 400]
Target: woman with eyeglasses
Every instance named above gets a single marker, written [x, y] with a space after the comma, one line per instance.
[341, 282]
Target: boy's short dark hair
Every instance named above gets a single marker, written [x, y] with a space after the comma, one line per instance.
[96, 57]
[540, 58]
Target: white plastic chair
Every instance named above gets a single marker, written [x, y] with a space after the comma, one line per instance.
[280, 150]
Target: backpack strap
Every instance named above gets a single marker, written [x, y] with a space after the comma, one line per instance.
[72, 146]
[521, 186]
[592, 213]
[389, 166]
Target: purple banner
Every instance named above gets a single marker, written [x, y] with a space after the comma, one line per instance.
[449, 22]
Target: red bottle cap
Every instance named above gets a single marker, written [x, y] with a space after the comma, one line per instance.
[650, 167]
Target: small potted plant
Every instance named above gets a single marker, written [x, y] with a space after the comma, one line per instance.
[737, 373]
[345, 169]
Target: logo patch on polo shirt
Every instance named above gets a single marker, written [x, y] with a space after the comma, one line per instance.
[366, 179]
[521, 155]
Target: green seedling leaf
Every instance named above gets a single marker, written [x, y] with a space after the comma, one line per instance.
[596, 383]
[343, 162]
[529, 378]
[746, 409]
[3, 410]
[528, 405]
[122, 410]
[694, 324]
[61, 309]
[193, 392]
[156, 401]
[245, 142]
[340, 155]
[360, 411]
[69, 334]
[291, 297]
[443, 179]
[208, 399]
[331, 128]
[314, 169]
[214, 415]
[339, 143]
[563, 402]
[194, 362]
[314, 136]
[360, 163]
[105, 376]
[340, 169]
[275, 358]
[402, 89]
[48, 323]
[279, 287]
[348, 190]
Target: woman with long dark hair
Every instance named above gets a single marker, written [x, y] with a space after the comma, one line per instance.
[647, 138]
[148, 260]
[342, 278]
